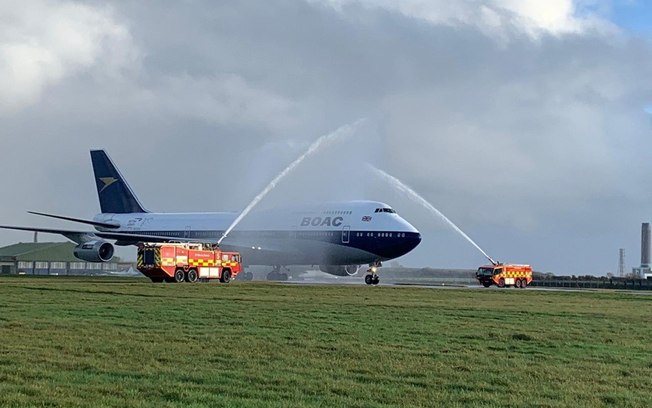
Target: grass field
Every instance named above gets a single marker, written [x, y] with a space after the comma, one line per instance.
[128, 342]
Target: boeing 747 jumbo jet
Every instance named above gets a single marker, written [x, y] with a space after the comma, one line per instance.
[337, 236]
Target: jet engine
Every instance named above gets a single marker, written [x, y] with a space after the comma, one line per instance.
[340, 270]
[94, 251]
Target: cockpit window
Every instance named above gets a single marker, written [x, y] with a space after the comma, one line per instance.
[385, 210]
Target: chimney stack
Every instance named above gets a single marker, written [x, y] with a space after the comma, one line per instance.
[645, 245]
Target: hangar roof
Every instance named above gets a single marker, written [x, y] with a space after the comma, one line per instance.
[39, 251]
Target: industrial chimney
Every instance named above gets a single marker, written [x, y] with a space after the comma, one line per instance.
[645, 245]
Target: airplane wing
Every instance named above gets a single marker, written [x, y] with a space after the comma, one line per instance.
[80, 220]
[85, 236]
[76, 236]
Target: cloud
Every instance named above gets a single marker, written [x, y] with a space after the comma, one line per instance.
[522, 121]
[493, 17]
[43, 42]
[223, 99]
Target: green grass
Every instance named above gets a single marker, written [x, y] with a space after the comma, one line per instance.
[125, 342]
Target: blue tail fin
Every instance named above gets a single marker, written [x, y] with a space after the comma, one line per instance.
[112, 189]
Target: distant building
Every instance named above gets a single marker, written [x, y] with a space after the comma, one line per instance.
[52, 258]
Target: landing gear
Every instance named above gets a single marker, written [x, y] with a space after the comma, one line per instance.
[246, 276]
[372, 278]
[276, 275]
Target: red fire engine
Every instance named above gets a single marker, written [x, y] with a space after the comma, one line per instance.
[504, 275]
[187, 262]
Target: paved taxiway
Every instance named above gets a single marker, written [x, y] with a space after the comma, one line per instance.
[359, 281]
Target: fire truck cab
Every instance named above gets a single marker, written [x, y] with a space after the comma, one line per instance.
[519, 276]
[187, 262]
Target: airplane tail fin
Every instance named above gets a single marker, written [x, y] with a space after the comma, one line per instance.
[112, 189]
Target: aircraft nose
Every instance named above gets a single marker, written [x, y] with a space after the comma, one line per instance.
[406, 244]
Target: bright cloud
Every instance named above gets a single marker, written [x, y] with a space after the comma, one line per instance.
[493, 17]
[42, 42]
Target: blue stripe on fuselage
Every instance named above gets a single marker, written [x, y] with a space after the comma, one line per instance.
[383, 244]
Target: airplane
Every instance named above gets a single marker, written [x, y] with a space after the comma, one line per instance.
[337, 236]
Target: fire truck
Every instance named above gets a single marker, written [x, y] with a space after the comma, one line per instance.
[187, 262]
[504, 275]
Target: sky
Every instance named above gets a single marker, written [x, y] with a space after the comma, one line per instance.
[527, 123]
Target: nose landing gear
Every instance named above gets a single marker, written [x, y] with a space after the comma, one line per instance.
[371, 277]
[276, 275]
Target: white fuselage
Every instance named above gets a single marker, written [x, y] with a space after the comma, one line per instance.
[339, 233]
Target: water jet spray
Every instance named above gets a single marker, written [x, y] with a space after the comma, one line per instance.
[399, 185]
[341, 132]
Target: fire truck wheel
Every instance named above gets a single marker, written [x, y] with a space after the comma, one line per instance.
[524, 284]
[226, 276]
[179, 275]
[486, 284]
[192, 276]
[501, 283]
[517, 283]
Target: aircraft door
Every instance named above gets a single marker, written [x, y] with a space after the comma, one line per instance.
[346, 234]
[186, 232]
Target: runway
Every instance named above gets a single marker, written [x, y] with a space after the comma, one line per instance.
[355, 280]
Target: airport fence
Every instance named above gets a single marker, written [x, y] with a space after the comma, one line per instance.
[614, 283]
